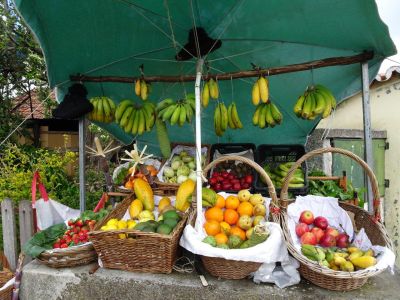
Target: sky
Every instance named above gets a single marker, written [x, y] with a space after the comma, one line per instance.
[389, 10]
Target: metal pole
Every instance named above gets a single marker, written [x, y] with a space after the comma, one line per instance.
[82, 141]
[367, 131]
[199, 181]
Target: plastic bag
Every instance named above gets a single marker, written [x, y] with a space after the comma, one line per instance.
[49, 212]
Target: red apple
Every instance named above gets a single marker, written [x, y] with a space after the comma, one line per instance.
[332, 231]
[328, 240]
[319, 233]
[306, 217]
[342, 240]
[308, 238]
[302, 228]
[321, 222]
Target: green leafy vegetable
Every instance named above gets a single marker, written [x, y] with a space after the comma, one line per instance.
[90, 215]
[44, 240]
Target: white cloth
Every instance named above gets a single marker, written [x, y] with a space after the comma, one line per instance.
[52, 212]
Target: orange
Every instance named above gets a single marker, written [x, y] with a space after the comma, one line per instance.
[245, 208]
[220, 201]
[214, 213]
[239, 232]
[231, 216]
[232, 202]
[212, 227]
[225, 227]
[221, 238]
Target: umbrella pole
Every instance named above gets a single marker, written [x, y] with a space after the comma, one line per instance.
[199, 182]
[82, 139]
[367, 131]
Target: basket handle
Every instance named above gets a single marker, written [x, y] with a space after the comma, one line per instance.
[364, 165]
[251, 163]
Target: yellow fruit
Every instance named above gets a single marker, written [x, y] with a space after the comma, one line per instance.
[352, 249]
[364, 262]
[339, 260]
[263, 89]
[244, 195]
[334, 267]
[135, 208]
[225, 228]
[257, 220]
[347, 266]
[160, 218]
[113, 222]
[184, 195]
[245, 222]
[131, 224]
[369, 252]
[259, 210]
[164, 202]
[112, 227]
[122, 224]
[167, 208]
[122, 236]
[249, 232]
[104, 228]
[144, 193]
[146, 214]
[256, 199]
[355, 255]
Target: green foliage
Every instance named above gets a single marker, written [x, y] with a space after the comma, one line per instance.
[331, 188]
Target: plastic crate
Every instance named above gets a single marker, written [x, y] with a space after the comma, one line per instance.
[274, 155]
[230, 149]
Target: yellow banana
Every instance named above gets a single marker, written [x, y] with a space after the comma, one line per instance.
[213, 86]
[230, 118]
[205, 95]
[307, 107]
[175, 115]
[224, 116]
[256, 115]
[235, 117]
[217, 121]
[143, 90]
[255, 94]
[299, 105]
[263, 87]
[137, 87]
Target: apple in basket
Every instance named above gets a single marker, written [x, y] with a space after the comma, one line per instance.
[301, 229]
[308, 238]
[332, 231]
[319, 233]
[306, 217]
[328, 240]
[342, 240]
[321, 222]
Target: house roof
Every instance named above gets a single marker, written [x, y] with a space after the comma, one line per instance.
[392, 71]
[30, 106]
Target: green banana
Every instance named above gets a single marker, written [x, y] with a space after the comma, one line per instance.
[235, 117]
[224, 116]
[217, 121]
[230, 120]
[100, 111]
[276, 114]
[307, 107]
[189, 112]
[328, 93]
[320, 102]
[121, 108]
[126, 116]
[163, 140]
[175, 115]
[205, 95]
[299, 105]
[182, 115]
[169, 112]
[262, 117]
[256, 115]
[128, 126]
[141, 126]
[268, 116]
[164, 104]
[106, 108]
[135, 125]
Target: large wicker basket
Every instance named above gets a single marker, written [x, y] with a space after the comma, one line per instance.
[5, 276]
[141, 251]
[234, 269]
[321, 276]
[68, 257]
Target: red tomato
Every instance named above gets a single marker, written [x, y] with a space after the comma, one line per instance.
[248, 179]
[64, 245]
[213, 180]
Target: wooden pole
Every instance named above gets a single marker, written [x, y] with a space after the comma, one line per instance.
[327, 62]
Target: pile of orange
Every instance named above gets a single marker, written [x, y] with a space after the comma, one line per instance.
[222, 220]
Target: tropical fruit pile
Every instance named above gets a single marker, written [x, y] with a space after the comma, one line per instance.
[235, 222]
[335, 252]
[142, 89]
[103, 110]
[267, 115]
[317, 100]
[279, 173]
[177, 112]
[224, 117]
[135, 119]
[210, 90]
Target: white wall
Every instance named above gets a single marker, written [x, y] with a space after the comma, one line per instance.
[385, 114]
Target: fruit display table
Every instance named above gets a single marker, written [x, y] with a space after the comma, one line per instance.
[41, 282]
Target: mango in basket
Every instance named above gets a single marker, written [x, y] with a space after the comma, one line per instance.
[113, 222]
[131, 224]
[146, 214]
[135, 208]
[164, 202]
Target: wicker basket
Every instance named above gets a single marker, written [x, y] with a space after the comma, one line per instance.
[5, 276]
[234, 269]
[68, 257]
[141, 251]
[166, 188]
[321, 276]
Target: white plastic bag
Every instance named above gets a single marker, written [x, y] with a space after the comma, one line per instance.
[49, 212]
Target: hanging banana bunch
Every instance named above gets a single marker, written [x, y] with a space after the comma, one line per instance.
[260, 91]
[103, 110]
[317, 100]
[267, 115]
[210, 90]
[233, 117]
[142, 89]
[220, 119]
[177, 112]
[135, 119]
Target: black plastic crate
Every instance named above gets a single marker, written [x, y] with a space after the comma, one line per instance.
[230, 148]
[273, 155]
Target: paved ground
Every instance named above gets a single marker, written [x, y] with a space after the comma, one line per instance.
[41, 282]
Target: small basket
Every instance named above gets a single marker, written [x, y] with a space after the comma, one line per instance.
[5, 276]
[235, 269]
[321, 276]
[168, 189]
[68, 257]
[142, 251]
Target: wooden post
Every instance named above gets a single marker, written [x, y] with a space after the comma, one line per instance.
[25, 224]
[9, 232]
